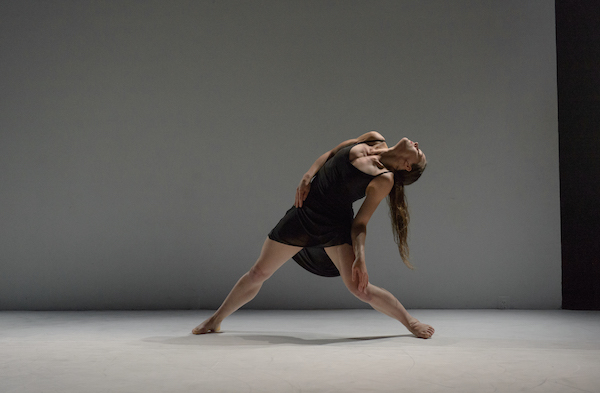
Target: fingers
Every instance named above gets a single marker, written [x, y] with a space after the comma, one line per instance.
[301, 195]
[362, 278]
[363, 282]
[299, 198]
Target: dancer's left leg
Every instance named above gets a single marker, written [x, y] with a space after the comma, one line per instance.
[272, 257]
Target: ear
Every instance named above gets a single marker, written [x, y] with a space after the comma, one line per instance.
[406, 166]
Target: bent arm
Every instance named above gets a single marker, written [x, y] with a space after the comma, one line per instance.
[369, 136]
[304, 186]
[378, 189]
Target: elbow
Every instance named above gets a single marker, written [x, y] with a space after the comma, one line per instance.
[373, 135]
[358, 228]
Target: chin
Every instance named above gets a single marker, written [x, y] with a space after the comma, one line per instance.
[404, 142]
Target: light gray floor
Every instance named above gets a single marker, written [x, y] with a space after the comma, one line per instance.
[300, 351]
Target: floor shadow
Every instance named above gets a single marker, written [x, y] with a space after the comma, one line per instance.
[241, 339]
[279, 339]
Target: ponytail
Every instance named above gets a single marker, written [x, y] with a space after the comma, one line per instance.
[399, 209]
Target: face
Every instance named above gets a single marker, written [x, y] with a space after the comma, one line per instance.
[410, 154]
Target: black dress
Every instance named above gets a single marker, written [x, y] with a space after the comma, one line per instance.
[325, 218]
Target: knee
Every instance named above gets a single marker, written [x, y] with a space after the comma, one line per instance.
[364, 296]
[257, 274]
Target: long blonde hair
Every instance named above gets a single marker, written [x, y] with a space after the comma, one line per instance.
[399, 209]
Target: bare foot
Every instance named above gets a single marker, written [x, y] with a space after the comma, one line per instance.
[207, 326]
[421, 330]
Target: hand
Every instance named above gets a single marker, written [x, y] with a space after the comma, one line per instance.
[302, 191]
[359, 273]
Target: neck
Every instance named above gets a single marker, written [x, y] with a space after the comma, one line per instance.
[389, 158]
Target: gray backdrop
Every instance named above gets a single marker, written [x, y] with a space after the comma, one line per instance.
[147, 147]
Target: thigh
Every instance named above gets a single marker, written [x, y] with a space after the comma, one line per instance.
[343, 258]
[273, 255]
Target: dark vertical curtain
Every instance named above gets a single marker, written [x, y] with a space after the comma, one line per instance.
[578, 76]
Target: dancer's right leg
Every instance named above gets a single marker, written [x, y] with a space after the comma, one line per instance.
[272, 257]
[380, 299]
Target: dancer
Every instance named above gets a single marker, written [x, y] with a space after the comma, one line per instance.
[321, 233]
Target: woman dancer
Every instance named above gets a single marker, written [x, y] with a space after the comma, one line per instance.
[321, 233]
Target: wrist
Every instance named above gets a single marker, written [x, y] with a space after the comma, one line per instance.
[359, 259]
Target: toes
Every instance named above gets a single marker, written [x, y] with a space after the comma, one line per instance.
[203, 330]
[198, 330]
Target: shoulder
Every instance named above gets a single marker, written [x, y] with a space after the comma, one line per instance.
[381, 184]
[377, 190]
[371, 136]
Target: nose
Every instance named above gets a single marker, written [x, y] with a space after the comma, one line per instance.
[417, 145]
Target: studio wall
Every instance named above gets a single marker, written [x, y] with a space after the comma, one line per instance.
[148, 147]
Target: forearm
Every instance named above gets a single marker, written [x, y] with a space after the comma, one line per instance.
[359, 235]
[304, 186]
[312, 171]
[371, 135]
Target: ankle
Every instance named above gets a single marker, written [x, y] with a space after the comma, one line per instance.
[214, 320]
[413, 321]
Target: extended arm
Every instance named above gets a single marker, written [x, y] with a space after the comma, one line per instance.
[378, 189]
[304, 186]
